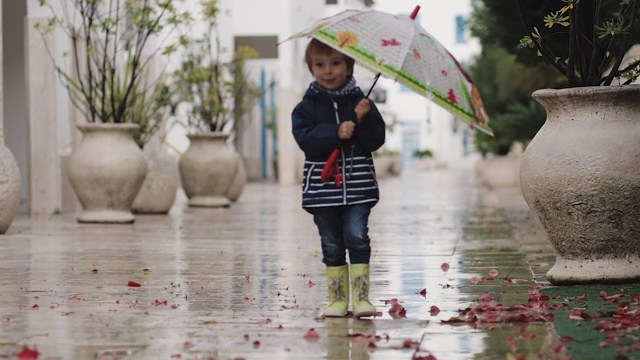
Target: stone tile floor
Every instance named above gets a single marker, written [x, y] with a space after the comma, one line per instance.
[247, 282]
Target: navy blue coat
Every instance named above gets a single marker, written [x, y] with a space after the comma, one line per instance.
[315, 128]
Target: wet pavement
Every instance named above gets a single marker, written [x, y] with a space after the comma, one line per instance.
[247, 282]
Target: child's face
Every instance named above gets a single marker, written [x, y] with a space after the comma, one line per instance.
[330, 71]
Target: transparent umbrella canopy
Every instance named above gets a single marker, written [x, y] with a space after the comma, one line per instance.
[398, 48]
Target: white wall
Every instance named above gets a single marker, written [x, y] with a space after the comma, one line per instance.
[243, 17]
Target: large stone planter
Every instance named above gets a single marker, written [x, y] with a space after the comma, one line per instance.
[106, 171]
[502, 171]
[158, 191]
[9, 188]
[207, 169]
[238, 183]
[580, 176]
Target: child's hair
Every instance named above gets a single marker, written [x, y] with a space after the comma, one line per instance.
[316, 46]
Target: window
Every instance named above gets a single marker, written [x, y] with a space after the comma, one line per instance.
[262, 44]
[460, 29]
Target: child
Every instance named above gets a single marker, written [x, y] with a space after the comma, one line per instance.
[335, 113]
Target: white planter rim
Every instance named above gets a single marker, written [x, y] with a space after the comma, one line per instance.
[208, 134]
[578, 91]
[103, 126]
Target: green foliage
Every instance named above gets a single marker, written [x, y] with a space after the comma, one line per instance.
[106, 75]
[519, 123]
[584, 40]
[506, 86]
[546, 44]
[423, 153]
[150, 108]
[217, 93]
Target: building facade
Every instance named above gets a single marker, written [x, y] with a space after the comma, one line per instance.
[38, 121]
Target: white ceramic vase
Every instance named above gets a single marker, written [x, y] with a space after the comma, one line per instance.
[580, 176]
[106, 171]
[207, 169]
[9, 188]
[158, 191]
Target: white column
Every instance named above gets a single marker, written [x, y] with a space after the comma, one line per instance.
[44, 162]
[290, 157]
[1, 84]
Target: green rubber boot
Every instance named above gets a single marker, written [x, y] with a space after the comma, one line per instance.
[338, 284]
[360, 291]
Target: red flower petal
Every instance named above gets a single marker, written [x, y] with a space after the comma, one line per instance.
[444, 266]
[486, 297]
[493, 272]
[27, 353]
[312, 335]
[559, 348]
[133, 284]
[434, 310]
[423, 292]
[397, 311]
[410, 344]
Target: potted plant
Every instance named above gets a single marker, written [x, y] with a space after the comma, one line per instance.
[9, 186]
[104, 76]
[580, 172]
[425, 159]
[212, 96]
[151, 110]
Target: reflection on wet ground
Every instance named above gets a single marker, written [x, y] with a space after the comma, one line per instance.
[247, 282]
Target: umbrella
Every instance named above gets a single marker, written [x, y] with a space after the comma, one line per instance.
[398, 48]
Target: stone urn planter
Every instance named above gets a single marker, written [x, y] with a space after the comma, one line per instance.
[238, 183]
[106, 171]
[158, 191]
[502, 171]
[580, 176]
[9, 188]
[207, 169]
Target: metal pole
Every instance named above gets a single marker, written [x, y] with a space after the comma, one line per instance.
[274, 125]
[263, 125]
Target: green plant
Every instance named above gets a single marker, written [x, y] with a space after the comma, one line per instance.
[109, 38]
[385, 152]
[423, 153]
[585, 40]
[518, 123]
[216, 93]
[507, 86]
[150, 109]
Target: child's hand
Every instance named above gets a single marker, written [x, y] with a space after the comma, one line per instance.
[362, 109]
[345, 130]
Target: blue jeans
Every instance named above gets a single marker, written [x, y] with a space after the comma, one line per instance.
[344, 228]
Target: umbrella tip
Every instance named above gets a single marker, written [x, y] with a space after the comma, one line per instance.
[415, 12]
